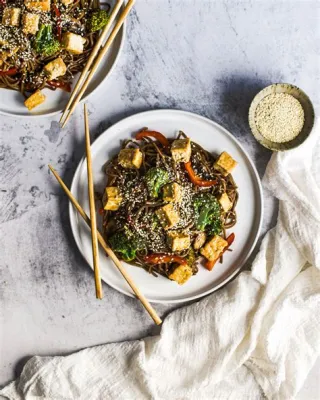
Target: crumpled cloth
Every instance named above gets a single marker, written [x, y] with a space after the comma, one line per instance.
[258, 337]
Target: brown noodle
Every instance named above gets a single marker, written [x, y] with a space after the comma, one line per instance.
[136, 209]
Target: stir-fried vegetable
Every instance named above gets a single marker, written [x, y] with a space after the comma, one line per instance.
[155, 179]
[210, 264]
[196, 180]
[160, 258]
[45, 42]
[58, 18]
[157, 135]
[9, 72]
[126, 246]
[61, 85]
[97, 20]
[207, 212]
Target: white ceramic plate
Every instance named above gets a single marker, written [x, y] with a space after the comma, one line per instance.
[249, 208]
[11, 102]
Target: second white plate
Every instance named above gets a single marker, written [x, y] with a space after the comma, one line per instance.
[12, 102]
[212, 137]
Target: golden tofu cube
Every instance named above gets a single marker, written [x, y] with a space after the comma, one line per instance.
[113, 198]
[130, 158]
[225, 164]
[199, 241]
[181, 150]
[55, 68]
[225, 202]
[67, 2]
[38, 5]
[35, 100]
[172, 192]
[178, 241]
[168, 216]
[30, 23]
[213, 249]
[11, 16]
[181, 274]
[73, 43]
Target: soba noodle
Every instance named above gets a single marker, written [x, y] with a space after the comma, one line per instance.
[137, 210]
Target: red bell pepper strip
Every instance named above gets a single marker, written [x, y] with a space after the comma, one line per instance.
[160, 258]
[61, 85]
[8, 72]
[58, 16]
[196, 180]
[157, 135]
[210, 264]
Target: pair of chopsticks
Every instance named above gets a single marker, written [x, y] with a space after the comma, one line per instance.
[96, 235]
[93, 63]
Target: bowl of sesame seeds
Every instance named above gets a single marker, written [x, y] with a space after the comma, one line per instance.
[281, 117]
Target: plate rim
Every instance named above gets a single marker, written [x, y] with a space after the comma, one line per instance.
[73, 213]
[53, 113]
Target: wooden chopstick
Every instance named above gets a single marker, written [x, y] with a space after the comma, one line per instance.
[100, 56]
[93, 54]
[95, 250]
[153, 314]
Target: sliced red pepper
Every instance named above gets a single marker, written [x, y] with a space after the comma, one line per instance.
[160, 258]
[58, 16]
[61, 85]
[8, 72]
[196, 180]
[210, 264]
[101, 211]
[157, 135]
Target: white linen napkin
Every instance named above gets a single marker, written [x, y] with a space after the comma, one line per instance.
[259, 336]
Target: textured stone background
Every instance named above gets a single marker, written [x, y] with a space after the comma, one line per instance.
[209, 57]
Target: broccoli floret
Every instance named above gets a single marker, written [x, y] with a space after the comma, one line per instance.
[207, 213]
[126, 245]
[191, 257]
[97, 20]
[44, 42]
[155, 178]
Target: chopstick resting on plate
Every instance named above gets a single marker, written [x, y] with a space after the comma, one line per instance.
[95, 250]
[79, 90]
[153, 314]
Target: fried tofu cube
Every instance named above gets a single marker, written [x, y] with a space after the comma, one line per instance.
[30, 23]
[181, 150]
[213, 249]
[11, 16]
[113, 198]
[73, 43]
[67, 2]
[178, 241]
[130, 158]
[168, 216]
[55, 68]
[225, 202]
[172, 192]
[35, 100]
[38, 5]
[181, 274]
[225, 164]
[199, 241]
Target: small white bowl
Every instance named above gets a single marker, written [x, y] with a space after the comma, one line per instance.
[308, 116]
